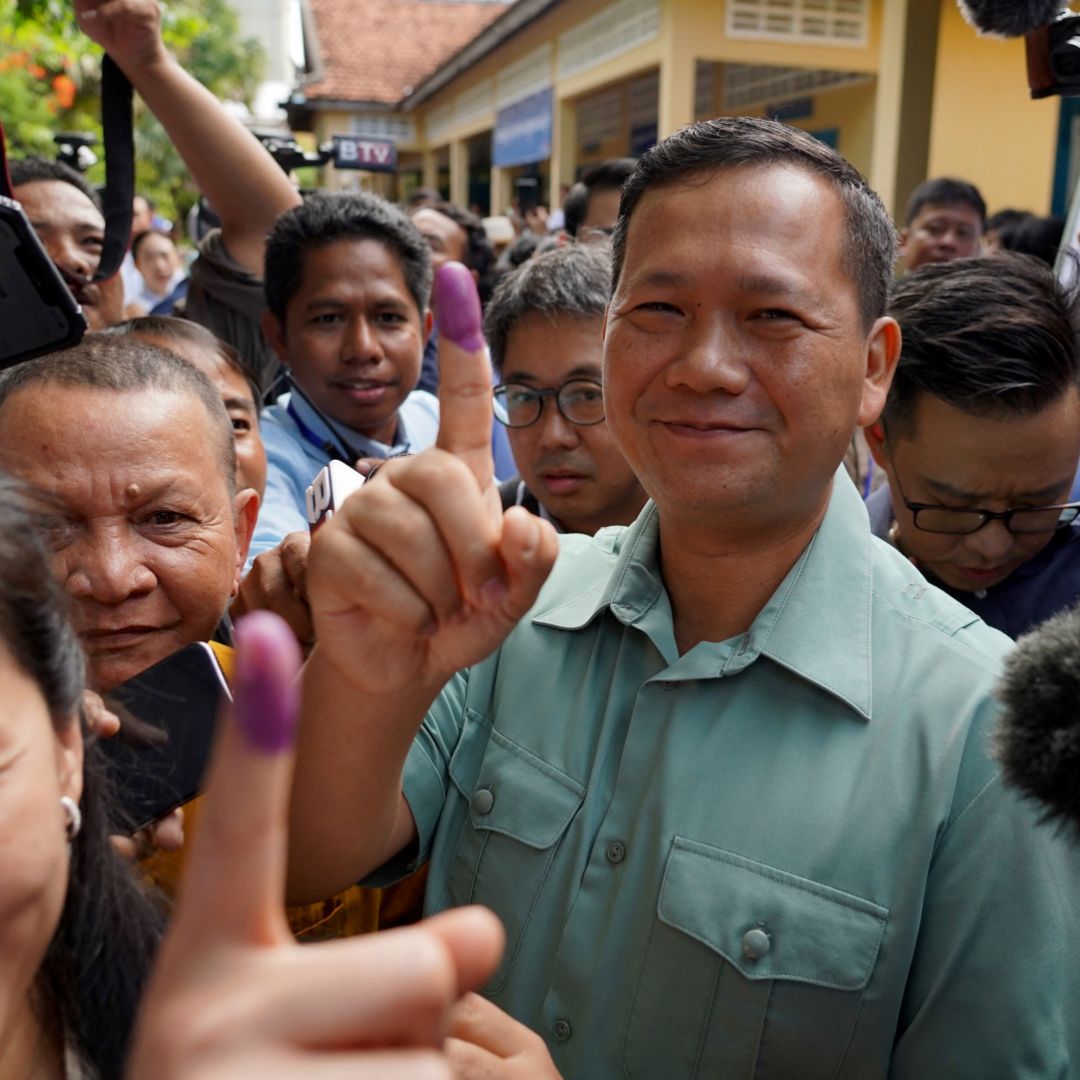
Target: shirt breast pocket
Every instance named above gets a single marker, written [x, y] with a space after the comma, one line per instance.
[519, 809]
[750, 971]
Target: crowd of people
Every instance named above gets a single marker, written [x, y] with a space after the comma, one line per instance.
[693, 527]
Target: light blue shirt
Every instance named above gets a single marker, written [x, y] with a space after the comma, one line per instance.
[785, 856]
[294, 460]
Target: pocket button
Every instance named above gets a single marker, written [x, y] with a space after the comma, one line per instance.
[561, 1030]
[483, 800]
[755, 944]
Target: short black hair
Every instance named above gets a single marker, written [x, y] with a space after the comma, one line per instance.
[33, 169]
[945, 191]
[323, 219]
[176, 329]
[991, 337]
[608, 175]
[479, 254]
[574, 207]
[868, 250]
[1036, 236]
[1008, 216]
[121, 363]
[571, 280]
[423, 195]
[137, 242]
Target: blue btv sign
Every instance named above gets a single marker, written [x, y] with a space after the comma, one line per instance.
[523, 131]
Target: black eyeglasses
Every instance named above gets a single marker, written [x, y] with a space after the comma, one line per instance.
[953, 521]
[581, 401]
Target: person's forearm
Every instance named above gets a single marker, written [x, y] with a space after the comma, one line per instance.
[242, 181]
[347, 816]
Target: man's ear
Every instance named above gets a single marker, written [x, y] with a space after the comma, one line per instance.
[882, 354]
[904, 234]
[247, 511]
[69, 759]
[274, 332]
[429, 323]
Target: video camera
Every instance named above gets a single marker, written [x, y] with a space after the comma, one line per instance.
[342, 151]
[73, 149]
[1051, 33]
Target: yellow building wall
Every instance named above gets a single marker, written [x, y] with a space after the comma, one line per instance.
[850, 109]
[687, 27]
[984, 126]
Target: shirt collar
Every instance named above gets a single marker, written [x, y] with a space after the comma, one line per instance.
[364, 447]
[825, 598]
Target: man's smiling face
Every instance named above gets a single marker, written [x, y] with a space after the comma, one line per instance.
[736, 358]
[352, 336]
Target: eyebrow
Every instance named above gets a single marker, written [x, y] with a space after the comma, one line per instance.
[582, 371]
[378, 301]
[974, 496]
[773, 286]
[85, 226]
[661, 279]
[240, 403]
[748, 283]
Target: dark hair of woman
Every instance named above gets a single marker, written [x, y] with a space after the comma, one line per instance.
[88, 985]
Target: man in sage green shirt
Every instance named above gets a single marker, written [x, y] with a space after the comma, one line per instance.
[724, 776]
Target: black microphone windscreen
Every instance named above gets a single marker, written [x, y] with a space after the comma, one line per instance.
[1005, 19]
[1038, 740]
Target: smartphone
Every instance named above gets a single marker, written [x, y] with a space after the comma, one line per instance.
[168, 714]
[38, 314]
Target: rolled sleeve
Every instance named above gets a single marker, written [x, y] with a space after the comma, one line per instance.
[425, 780]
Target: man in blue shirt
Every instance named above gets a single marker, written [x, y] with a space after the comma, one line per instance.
[980, 437]
[723, 773]
[348, 279]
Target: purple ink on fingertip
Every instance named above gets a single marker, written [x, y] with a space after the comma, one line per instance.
[457, 305]
[265, 685]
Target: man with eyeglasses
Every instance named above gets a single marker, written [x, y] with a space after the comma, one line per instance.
[544, 327]
[980, 437]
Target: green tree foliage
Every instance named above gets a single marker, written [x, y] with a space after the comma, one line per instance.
[50, 81]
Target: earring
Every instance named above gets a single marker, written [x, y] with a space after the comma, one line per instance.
[72, 816]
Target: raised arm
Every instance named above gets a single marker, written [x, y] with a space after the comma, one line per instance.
[230, 167]
[416, 577]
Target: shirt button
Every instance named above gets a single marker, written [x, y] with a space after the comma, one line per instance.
[483, 801]
[616, 851]
[562, 1030]
[666, 684]
[755, 944]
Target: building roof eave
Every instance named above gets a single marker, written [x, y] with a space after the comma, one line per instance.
[515, 18]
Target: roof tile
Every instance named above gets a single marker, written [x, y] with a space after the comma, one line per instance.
[378, 50]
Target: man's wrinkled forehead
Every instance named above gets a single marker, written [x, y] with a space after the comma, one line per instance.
[56, 202]
[153, 423]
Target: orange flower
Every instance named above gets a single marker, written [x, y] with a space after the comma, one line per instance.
[64, 89]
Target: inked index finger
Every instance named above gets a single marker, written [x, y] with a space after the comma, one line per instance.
[234, 885]
[464, 372]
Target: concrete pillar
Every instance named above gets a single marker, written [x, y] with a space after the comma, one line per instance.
[904, 99]
[430, 166]
[500, 191]
[675, 108]
[459, 172]
[563, 149]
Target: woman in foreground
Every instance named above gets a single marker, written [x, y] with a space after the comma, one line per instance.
[232, 994]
